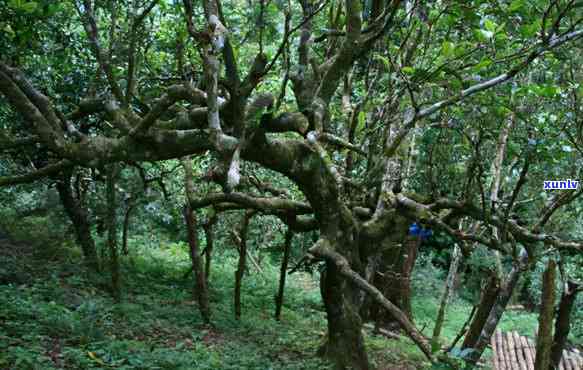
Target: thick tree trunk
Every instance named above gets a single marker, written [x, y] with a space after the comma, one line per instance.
[563, 322]
[345, 344]
[463, 329]
[391, 271]
[453, 267]
[544, 339]
[112, 172]
[242, 246]
[388, 277]
[284, 263]
[487, 301]
[356, 281]
[497, 309]
[412, 245]
[80, 219]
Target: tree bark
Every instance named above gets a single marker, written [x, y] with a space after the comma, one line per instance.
[487, 301]
[79, 217]
[340, 266]
[345, 344]
[408, 265]
[208, 250]
[387, 274]
[242, 246]
[498, 309]
[451, 275]
[544, 339]
[463, 329]
[199, 292]
[284, 263]
[112, 172]
[563, 322]
[126, 227]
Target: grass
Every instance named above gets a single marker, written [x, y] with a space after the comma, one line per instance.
[61, 317]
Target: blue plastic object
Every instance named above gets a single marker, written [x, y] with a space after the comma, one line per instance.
[416, 230]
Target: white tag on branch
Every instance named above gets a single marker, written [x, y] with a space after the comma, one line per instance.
[234, 175]
[217, 31]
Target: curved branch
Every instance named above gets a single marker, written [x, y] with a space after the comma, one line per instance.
[520, 233]
[322, 249]
[92, 31]
[411, 117]
[51, 169]
[7, 143]
[173, 94]
[268, 205]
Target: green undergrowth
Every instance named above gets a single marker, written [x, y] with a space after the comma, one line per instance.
[59, 316]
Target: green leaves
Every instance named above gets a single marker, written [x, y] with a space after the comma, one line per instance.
[483, 64]
[529, 30]
[23, 5]
[448, 49]
[408, 70]
[516, 5]
[545, 90]
[490, 25]
[384, 60]
[483, 35]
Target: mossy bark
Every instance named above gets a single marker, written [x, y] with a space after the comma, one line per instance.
[487, 301]
[200, 291]
[242, 264]
[284, 264]
[112, 172]
[563, 322]
[544, 339]
[345, 344]
[79, 217]
[498, 309]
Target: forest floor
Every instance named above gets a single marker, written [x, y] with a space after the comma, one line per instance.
[56, 315]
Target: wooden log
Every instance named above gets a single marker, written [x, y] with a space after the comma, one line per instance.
[502, 347]
[512, 351]
[519, 351]
[528, 355]
[562, 364]
[501, 350]
[496, 354]
[575, 361]
[566, 361]
[506, 351]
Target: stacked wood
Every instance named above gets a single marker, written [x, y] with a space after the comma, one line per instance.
[512, 351]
